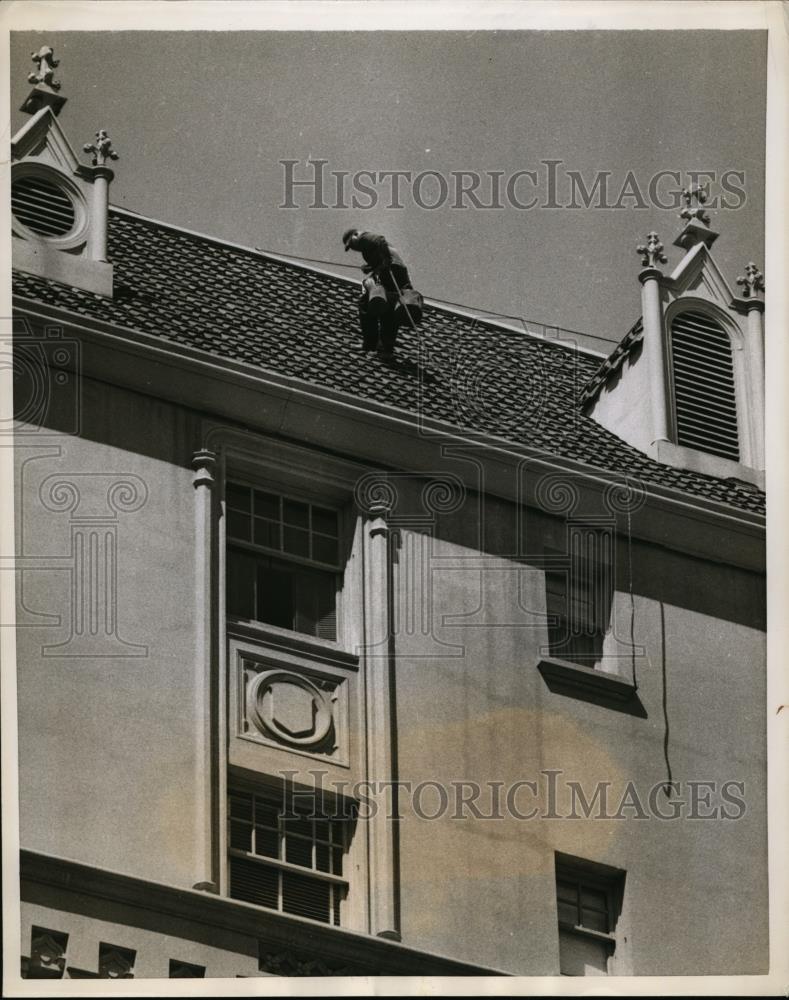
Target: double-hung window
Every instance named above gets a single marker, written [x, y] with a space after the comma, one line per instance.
[579, 594]
[588, 899]
[283, 564]
[286, 858]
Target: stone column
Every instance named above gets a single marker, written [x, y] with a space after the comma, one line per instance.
[654, 342]
[203, 481]
[379, 679]
[101, 198]
[756, 351]
[102, 150]
[749, 303]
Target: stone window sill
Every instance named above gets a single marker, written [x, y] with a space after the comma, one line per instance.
[299, 643]
[574, 680]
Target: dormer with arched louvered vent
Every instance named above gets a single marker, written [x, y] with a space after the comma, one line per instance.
[686, 384]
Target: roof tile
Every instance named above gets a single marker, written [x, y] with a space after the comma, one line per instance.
[301, 323]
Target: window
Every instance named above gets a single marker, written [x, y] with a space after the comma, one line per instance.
[283, 561]
[290, 861]
[588, 899]
[578, 596]
[705, 403]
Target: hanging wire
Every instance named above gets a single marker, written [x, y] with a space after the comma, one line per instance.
[632, 599]
[444, 302]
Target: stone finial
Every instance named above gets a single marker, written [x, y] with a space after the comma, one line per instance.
[652, 251]
[101, 149]
[697, 221]
[752, 282]
[697, 195]
[45, 86]
[46, 62]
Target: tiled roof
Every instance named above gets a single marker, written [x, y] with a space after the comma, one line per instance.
[302, 323]
[613, 363]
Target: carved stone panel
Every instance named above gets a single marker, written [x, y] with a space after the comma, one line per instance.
[303, 710]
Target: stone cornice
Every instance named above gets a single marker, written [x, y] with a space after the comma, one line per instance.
[363, 954]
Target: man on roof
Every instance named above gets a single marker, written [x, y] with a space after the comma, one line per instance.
[387, 277]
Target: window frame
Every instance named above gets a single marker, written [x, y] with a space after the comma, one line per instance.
[598, 878]
[325, 479]
[275, 798]
[559, 565]
[271, 485]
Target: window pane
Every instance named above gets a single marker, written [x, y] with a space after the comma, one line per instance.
[298, 851]
[324, 521]
[266, 841]
[241, 805]
[324, 549]
[296, 542]
[239, 525]
[267, 533]
[266, 814]
[579, 956]
[567, 891]
[253, 882]
[568, 912]
[240, 584]
[238, 497]
[300, 826]
[240, 835]
[296, 513]
[596, 898]
[337, 855]
[316, 603]
[594, 920]
[322, 858]
[305, 896]
[275, 596]
[267, 505]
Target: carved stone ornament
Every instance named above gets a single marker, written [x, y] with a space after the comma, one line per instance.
[46, 62]
[752, 282]
[652, 251]
[694, 198]
[291, 709]
[101, 149]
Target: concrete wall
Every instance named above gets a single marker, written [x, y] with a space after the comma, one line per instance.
[622, 405]
[108, 751]
[487, 715]
[107, 745]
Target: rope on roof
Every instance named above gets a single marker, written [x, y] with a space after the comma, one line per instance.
[443, 302]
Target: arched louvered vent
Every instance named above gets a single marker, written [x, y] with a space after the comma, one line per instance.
[42, 206]
[704, 394]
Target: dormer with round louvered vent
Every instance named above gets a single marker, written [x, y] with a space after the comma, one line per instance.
[58, 207]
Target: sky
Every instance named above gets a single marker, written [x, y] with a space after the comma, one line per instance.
[202, 121]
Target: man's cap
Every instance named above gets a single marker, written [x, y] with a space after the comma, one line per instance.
[347, 235]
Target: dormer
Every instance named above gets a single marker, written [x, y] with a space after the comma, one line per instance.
[686, 384]
[59, 206]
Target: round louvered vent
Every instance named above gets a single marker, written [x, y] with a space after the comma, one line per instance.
[42, 207]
